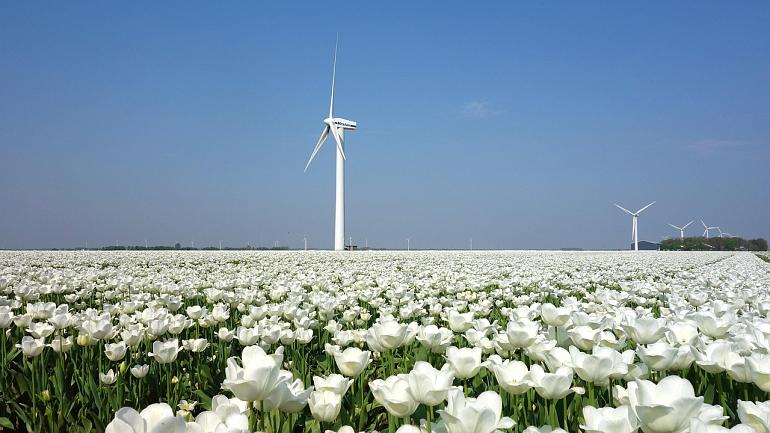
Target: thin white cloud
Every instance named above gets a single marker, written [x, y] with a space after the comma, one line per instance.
[479, 109]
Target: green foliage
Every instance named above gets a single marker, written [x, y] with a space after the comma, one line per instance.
[714, 244]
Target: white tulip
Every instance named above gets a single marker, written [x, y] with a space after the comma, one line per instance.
[428, 385]
[464, 362]
[394, 394]
[482, 414]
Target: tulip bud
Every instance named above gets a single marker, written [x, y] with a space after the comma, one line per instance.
[84, 340]
[123, 367]
[45, 395]
[174, 380]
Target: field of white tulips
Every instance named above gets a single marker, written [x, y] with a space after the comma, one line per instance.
[456, 342]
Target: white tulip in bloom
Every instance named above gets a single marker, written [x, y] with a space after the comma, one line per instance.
[220, 313]
[394, 395]
[512, 376]
[352, 361]
[195, 345]
[683, 359]
[334, 382]
[609, 420]
[682, 333]
[409, 428]
[538, 351]
[713, 359]
[552, 386]
[225, 335]
[554, 316]
[115, 351]
[99, 329]
[108, 378]
[303, 336]
[459, 322]
[31, 347]
[544, 429]
[218, 421]
[257, 378]
[759, 367]
[195, 312]
[464, 362]
[755, 415]
[6, 317]
[224, 406]
[435, 338]
[584, 337]
[155, 418]
[325, 405]
[165, 352]
[428, 385]
[344, 429]
[132, 334]
[698, 426]
[599, 366]
[658, 356]
[40, 329]
[712, 325]
[288, 396]
[483, 414]
[61, 344]
[665, 407]
[522, 333]
[644, 330]
[139, 371]
[386, 335]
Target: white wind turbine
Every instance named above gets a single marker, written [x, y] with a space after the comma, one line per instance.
[706, 229]
[337, 126]
[681, 229]
[634, 218]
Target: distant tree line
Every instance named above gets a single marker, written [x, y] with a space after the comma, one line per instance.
[714, 244]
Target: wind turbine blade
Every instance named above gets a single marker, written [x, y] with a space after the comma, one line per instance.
[624, 209]
[678, 228]
[685, 226]
[704, 224]
[334, 75]
[337, 139]
[640, 210]
[318, 146]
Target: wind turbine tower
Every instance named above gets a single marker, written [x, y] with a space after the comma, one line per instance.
[634, 218]
[337, 127]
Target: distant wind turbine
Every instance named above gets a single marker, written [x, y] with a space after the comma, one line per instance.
[337, 127]
[634, 218]
[706, 229]
[681, 229]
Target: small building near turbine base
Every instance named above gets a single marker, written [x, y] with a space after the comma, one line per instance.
[647, 246]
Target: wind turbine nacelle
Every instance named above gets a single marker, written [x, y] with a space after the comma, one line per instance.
[344, 123]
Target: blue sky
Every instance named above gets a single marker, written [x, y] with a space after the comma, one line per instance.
[516, 124]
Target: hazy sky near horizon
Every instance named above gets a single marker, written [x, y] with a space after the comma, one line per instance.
[515, 124]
